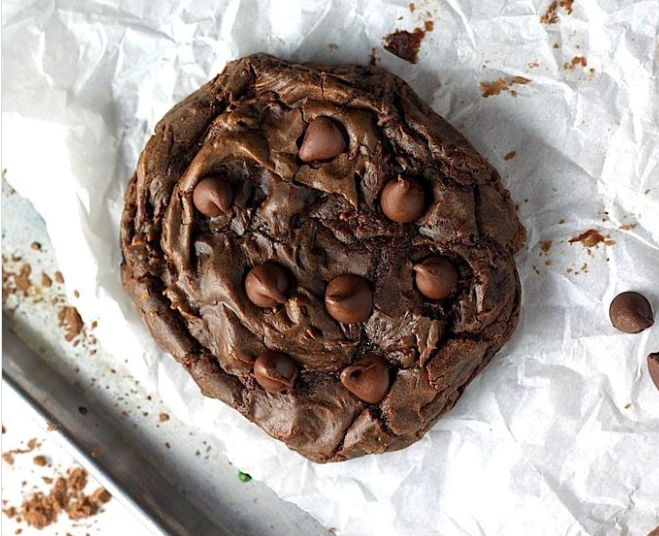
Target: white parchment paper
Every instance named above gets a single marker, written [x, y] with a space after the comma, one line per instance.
[560, 434]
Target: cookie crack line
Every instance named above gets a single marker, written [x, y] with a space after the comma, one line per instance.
[359, 213]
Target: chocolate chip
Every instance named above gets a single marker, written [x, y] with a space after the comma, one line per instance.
[322, 140]
[266, 285]
[403, 200]
[275, 371]
[368, 379]
[435, 277]
[349, 299]
[631, 312]
[212, 196]
[653, 368]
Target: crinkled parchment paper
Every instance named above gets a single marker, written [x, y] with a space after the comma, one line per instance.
[560, 434]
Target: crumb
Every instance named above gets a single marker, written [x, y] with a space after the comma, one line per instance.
[35, 246]
[4, 430]
[70, 320]
[555, 45]
[495, 87]
[406, 44]
[22, 280]
[628, 405]
[40, 460]
[76, 294]
[592, 70]
[47, 479]
[46, 281]
[577, 60]
[545, 246]
[567, 5]
[100, 495]
[533, 64]
[163, 417]
[627, 226]
[591, 238]
[550, 16]
[59, 277]
[97, 451]
[10, 512]
[412, 7]
[373, 58]
[167, 445]
[561, 221]
[510, 155]
[646, 191]
[52, 426]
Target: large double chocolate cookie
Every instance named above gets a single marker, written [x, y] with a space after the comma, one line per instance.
[322, 252]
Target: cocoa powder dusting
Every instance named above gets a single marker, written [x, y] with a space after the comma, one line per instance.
[70, 320]
[406, 44]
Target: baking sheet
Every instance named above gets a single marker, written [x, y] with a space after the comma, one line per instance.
[558, 435]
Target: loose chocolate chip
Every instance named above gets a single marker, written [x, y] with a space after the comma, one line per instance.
[653, 368]
[266, 285]
[275, 371]
[435, 277]
[212, 196]
[322, 140]
[631, 312]
[403, 200]
[349, 299]
[368, 379]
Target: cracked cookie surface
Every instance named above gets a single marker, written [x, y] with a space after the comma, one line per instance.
[322, 252]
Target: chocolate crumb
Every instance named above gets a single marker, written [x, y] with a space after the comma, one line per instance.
[499, 85]
[40, 460]
[59, 277]
[406, 44]
[10, 512]
[46, 281]
[510, 155]
[35, 246]
[70, 320]
[551, 16]
[76, 294]
[577, 60]
[545, 246]
[4, 429]
[167, 445]
[22, 280]
[52, 426]
[627, 226]
[163, 417]
[591, 238]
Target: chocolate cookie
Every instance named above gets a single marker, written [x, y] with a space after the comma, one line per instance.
[322, 252]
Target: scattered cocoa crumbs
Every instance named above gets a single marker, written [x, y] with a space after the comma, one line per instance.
[510, 155]
[70, 320]
[9, 512]
[59, 277]
[40, 460]
[41, 509]
[495, 87]
[577, 60]
[592, 238]
[22, 280]
[406, 44]
[163, 417]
